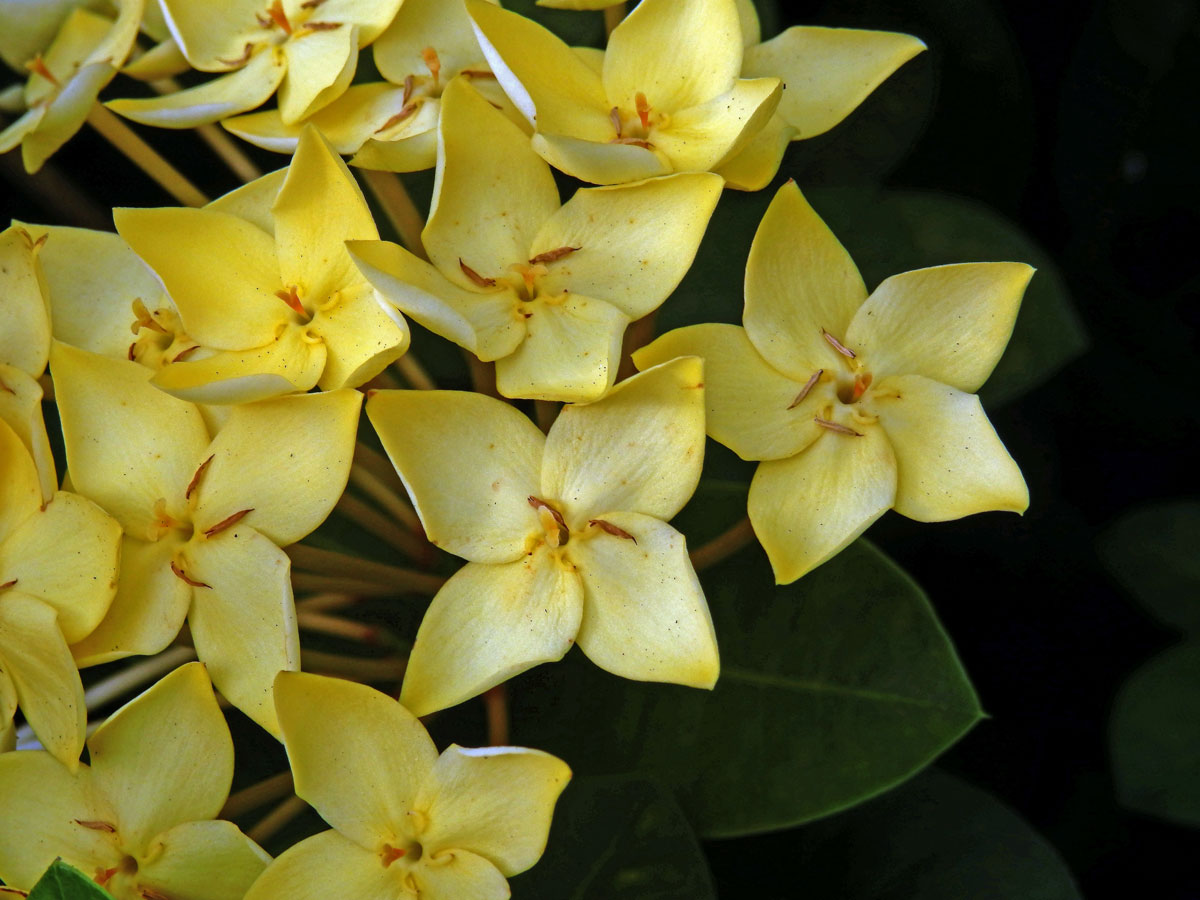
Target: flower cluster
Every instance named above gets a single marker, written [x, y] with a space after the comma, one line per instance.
[209, 365]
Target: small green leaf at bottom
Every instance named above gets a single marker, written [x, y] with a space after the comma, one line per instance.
[64, 882]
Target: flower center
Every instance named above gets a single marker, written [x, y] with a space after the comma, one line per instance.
[636, 126]
[410, 851]
[523, 276]
[555, 527]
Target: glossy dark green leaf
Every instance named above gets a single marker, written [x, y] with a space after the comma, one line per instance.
[832, 690]
[577, 28]
[935, 838]
[1155, 737]
[1155, 553]
[64, 882]
[618, 837]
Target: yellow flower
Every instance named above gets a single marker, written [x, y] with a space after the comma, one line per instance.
[667, 99]
[204, 516]
[544, 290]
[408, 822]
[138, 816]
[65, 80]
[855, 404]
[308, 49]
[566, 534]
[275, 312]
[58, 574]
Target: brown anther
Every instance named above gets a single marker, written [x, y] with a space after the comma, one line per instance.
[552, 255]
[8, 584]
[610, 528]
[614, 115]
[278, 16]
[103, 876]
[477, 73]
[264, 21]
[247, 50]
[545, 509]
[408, 110]
[38, 66]
[179, 573]
[838, 345]
[320, 26]
[228, 522]
[409, 82]
[432, 62]
[151, 894]
[292, 299]
[643, 108]
[808, 386]
[30, 244]
[475, 277]
[200, 470]
[143, 318]
[132, 354]
[835, 427]
[6, 891]
[390, 854]
[185, 353]
[636, 142]
[94, 825]
[311, 4]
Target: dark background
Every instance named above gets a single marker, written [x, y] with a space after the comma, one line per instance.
[1075, 120]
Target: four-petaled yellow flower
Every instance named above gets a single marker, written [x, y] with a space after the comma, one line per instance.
[566, 534]
[139, 816]
[855, 404]
[408, 822]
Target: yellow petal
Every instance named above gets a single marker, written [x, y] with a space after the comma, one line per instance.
[128, 444]
[799, 280]
[828, 71]
[163, 60]
[751, 407]
[64, 115]
[948, 323]
[8, 708]
[21, 409]
[20, 490]
[211, 40]
[120, 37]
[37, 659]
[358, 756]
[323, 866]
[635, 242]
[287, 459]
[294, 362]
[218, 98]
[363, 336]
[209, 860]
[950, 462]
[24, 318]
[82, 32]
[414, 151]
[639, 449]
[748, 19]
[469, 462]
[66, 555]
[42, 800]
[320, 66]
[319, 208]
[149, 607]
[599, 162]
[571, 350]
[253, 201]
[704, 137]
[165, 757]
[489, 623]
[427, 23]
[644, 612]
[27, 29]
[492, 194]
[244, 622]
[371, 16]
[460, 875]
[759, 159]
[578, 4]
[21, 127]
[810, 507]
[553, 88]
[486, 323]
[495, 802]
[220, 270]
[678, 53]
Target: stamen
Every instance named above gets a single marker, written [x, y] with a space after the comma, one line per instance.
[150, 894]
[552, 255]
[8, 584]
[643, 108]
[408, 110]
[30, 244]
[391, 854]
[144, 319]
[477, 73]
[247, 50]
[38, 66]
[311, 4]
[103, 876]
[637, 142]
[431, 60]
[545, 510]
[178, 570]
[310, 27]
[835, 427]
[475, 276]
[610, 528]
[132, 354]
[200, 470]
[95, 825]
[228, 522]
[838, 345]
[615, 115]
[808, 386]
[279, 17]
[292, 299]
[409, 82]
[185, 353]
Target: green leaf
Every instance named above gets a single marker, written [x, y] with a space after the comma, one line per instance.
[1155, 553]
[832, 690]
[618, 837]
[936, 838]
[896, 231]
[579, 29]
[64, 882]
[1155, 737]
